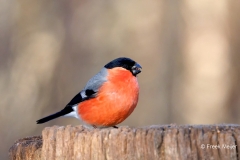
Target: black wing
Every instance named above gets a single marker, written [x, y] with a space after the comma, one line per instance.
[87, 94]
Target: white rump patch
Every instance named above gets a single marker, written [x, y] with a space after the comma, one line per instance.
[74, 113]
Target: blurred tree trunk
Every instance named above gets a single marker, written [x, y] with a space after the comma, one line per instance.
[205, 83]
[171, 61]
[29, 54]
[234, 40]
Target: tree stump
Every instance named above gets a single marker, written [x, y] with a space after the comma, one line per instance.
[170, 142]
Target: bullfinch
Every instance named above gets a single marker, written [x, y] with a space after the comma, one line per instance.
[108, 98]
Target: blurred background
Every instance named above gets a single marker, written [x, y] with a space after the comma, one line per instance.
[189, 51]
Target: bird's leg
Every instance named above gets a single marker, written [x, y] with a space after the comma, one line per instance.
[115, 126]
[94, 126]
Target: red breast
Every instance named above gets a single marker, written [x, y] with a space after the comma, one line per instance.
[115, 101]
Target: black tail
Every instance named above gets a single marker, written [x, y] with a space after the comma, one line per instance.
[55, 115]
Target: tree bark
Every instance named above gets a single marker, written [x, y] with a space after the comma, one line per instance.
[153, 142]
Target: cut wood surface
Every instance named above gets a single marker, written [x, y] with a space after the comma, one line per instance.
[152, 142]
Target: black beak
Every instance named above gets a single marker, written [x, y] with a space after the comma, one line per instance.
[136, 69]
